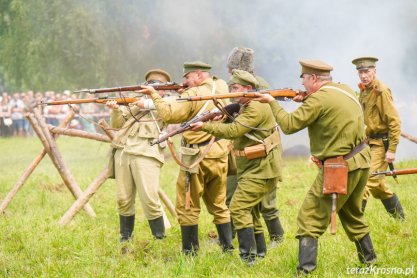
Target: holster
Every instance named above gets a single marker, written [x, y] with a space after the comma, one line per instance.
[335, 176]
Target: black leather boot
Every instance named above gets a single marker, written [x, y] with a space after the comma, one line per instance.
[247, 245]
[276, 232]
[307, 255]
[225, 236]
[189, 236]
[127, 223]
[364, 202]
[157, 227]
[366, 253]
[260, 245]
[393, 206]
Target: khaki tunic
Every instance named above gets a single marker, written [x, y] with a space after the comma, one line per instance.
[335, 125]
[381, 116]
[256, 177]
[210, 180]
[137, 164]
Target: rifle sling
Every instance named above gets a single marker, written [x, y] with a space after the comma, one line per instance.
[200, 158]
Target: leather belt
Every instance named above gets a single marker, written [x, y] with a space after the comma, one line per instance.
[197, 145]
[355, 150]
[378, 135]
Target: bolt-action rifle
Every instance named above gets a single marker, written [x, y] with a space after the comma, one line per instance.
[276, 93]
[397, 172]
[230, 109]
[169, 86]
[103, 100]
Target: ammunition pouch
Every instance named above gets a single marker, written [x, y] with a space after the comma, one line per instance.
[335, 176]
[188, 157]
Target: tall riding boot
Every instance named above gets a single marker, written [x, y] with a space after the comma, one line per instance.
[225, 236]
[247, 245]
[393, 206]
[276, 232]
[260, 245]
[366, 253]
[157, 227]
[127, 223]
[307, 255]
[189, 236]
[364, 202]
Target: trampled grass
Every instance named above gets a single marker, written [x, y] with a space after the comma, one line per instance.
[32, 244]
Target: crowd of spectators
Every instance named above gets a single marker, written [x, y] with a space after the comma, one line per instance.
[13, 108]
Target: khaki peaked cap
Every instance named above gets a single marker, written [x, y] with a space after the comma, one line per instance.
[195, 66]
[315, 67]
[364, 62]
[243, 78]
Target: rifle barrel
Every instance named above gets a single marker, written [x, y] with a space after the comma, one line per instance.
[397, 172]
[121, 101]
[170, 86]
[289, 93]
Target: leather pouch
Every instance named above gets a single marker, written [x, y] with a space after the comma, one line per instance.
[335, 176]
[255, 151]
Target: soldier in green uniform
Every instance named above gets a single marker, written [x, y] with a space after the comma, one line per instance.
[242, 58]
[335, 123]
[383, 128]
[208, 178]
[257, 176]
[137, 164]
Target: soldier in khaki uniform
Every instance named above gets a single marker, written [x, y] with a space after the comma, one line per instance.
[257, 177]
[335, 123]
[383, 128]
[208, 178]
[242, 58]
[137, 164]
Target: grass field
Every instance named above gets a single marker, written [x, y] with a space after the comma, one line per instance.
[33, 245]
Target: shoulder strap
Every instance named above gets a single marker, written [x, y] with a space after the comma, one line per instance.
[343, 92]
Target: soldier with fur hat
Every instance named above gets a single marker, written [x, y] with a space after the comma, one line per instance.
[241, 58]
[383, 128]
[335, 123]
[207, 179]
[137, 164]
[255, 127]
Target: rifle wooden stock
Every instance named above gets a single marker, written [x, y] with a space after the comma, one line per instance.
[169, 86]
[288, 93]
[397, 172]
[120, 101]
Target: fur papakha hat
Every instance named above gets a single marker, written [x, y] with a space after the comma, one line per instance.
[241, 58]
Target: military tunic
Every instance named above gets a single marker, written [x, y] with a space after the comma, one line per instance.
[381, 117]
[137, 164]
[335, 126]
[268, 206]
[209, 181]
[256, 177]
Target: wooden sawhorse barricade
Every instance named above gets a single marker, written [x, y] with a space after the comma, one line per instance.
[47, 135]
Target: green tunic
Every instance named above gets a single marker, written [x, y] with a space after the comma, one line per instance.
[335, 126]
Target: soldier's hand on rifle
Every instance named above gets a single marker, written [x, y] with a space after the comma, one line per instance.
[140, 103]
[389, 157]
[300, 96]
[112, 104]
[196, 126]
[265, 98]
[147, 90]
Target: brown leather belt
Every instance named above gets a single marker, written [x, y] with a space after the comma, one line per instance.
[197, 145]
[378, 135]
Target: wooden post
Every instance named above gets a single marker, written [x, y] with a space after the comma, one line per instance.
[78, 133]
[106, 128]
[58, 161]
[84, 198]
[29, 170]
[167, 202]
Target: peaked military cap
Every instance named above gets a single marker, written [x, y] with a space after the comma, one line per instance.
[364, 62]
[315, 67]
[154, 74]
[194, 66]
[243, 78]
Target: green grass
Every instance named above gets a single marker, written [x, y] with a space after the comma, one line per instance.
[32, 244]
